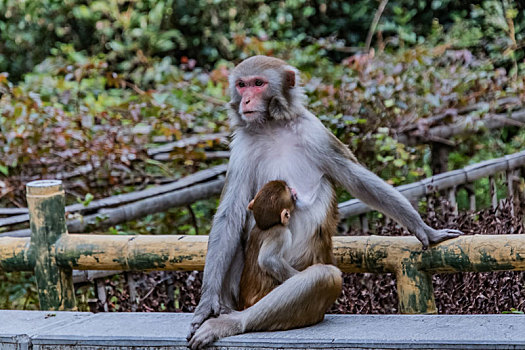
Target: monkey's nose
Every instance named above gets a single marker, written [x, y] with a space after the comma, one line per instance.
[247, 101]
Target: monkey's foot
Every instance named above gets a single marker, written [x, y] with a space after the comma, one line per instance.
[214, 329]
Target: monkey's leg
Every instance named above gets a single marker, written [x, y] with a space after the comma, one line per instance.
[300, 301]
[230, 286]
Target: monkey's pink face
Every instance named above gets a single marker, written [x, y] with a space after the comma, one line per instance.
[252, 91]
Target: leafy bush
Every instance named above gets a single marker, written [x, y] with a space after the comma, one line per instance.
[74, 111]
[132, 32]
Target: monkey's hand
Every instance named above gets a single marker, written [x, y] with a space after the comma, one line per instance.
[427, 235]
[208, 307]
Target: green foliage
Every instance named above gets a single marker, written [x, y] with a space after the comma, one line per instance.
[74, 111]
[87, 199]
[496, 28]
[18, 291]
[130, 33]
[82, 112]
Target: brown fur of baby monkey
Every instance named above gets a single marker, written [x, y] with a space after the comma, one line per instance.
[265, 263]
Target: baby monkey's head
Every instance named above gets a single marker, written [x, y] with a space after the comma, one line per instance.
[273, 204]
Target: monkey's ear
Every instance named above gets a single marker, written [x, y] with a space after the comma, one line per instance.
[250, 205]
[285, 216]
[289, 78]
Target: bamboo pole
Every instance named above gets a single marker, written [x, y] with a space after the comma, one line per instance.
[512, 177]
[444, 181]
[199, 178]
[364, 223]
[355, 254]
[132, 289]
[462, 126]
[45, 201]
[138, 209]
[493, 192]
[452, 199]
[101, 293]
[132, 253]
[15, 254]
[471, 191]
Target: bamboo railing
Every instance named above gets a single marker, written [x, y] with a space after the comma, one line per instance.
[451, 182]
[52, 253]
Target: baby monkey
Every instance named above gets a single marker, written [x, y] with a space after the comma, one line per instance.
[265, 265]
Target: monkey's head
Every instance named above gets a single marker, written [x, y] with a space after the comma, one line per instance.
[273, 204]
[263, 88]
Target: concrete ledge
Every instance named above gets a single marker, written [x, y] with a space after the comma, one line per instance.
[37, 330]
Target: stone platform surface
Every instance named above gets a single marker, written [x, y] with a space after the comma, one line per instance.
[21, 330]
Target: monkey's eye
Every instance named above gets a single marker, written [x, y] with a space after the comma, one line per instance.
[241, 84]
[259, 82]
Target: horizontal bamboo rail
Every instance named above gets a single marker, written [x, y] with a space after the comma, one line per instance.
[354, 254]
[463, 125]
[444, 181]
[53, 253]
[174, 193]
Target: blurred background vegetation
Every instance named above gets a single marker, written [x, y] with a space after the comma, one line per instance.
[128, 34]
[100, 83]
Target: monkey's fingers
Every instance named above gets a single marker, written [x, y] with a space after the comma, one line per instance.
[442, 235]
[456, 233]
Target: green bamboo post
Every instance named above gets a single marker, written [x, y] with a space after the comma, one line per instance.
[400, 255]
[45, 201]
[414, 289]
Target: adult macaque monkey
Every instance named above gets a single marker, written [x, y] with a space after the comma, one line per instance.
[276, 137]
[268, 244]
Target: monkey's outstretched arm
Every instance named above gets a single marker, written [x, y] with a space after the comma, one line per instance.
[379, 195]
[271, 258]
[224, 241]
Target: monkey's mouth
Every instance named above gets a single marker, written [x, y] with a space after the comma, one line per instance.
[252, 116]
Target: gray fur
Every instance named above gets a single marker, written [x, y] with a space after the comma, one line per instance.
[274, 311]
[291, 145]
